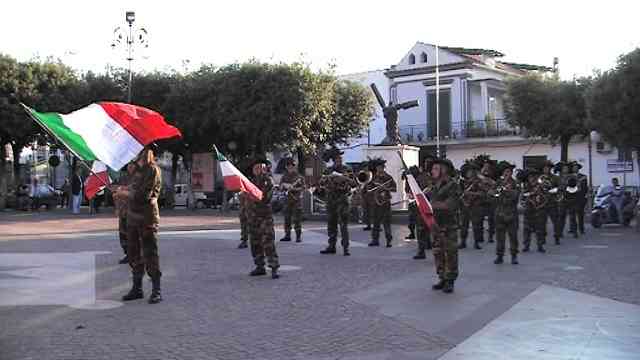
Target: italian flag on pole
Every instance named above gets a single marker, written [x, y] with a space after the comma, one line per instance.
[234, 180]
[98, 180]
[111, 132]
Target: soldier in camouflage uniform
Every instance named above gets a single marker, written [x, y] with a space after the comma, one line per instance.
[244, 221]
[488, 170]
[294, 184]
[366, 199]
[337, 183]
[425, 182]
[469, 202]
[583, 194]
[562, 169]
[444, 200]
[120, 198]
[551, 187]
[143, 218]
[506, 197]
[383, 186]
[261, 227]
[534, 212]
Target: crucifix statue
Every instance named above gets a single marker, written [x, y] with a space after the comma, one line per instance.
[390, 113]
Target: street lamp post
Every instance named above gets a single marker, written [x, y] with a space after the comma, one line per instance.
[134, 37]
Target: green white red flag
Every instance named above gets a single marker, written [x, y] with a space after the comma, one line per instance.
[234, 180]
[111, 132]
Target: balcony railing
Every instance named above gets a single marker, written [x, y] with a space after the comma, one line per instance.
[458, 130]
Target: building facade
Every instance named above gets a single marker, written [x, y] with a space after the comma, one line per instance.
[471, 117]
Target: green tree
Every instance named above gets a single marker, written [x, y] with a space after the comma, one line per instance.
[614, 108]
[546, 107]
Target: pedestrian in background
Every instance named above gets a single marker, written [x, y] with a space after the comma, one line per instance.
[76, 191]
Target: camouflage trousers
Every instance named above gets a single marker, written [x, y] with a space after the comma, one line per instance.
[534, 223]
[551, 213]
[506, 225]
[563, 210]
[244, 226]
[122, 232]
[477, 213]
[367, 212]
[262, 241]
[338, 215]
[142, 248]
[292, 212]
[413, 216]
[445, 252]
[489, 211]
[423, 234]
[381, 216]
[465, 221]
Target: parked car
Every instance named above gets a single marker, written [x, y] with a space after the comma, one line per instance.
[181, 196]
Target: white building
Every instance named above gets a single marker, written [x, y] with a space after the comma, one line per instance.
[472, 119]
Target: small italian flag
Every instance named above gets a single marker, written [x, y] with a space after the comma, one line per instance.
[111, 132]
[97, 181]
[234, 180]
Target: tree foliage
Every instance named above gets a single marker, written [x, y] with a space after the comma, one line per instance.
[548, 108]
[614, 105]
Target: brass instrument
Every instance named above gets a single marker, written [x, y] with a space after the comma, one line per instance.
[467, 199]
[336, 183]
[293, 190]
[382, 194]
[364, 177]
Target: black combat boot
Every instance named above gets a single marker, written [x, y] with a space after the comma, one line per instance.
[298, 236]
[439, 285]
[367, 228]
[557, 240]
[274, 273]
[124, 260]
[448, 287]
[329, 250]
[412, 233]
[155, 297]
[242, 245]
[541, 249]
[499, 260]
[514, 260]
[389, 243]
[420, 255]
[287, 237]
[477, 246]
[526, 248]
[428, 245]
[491, 238]
[136, 290]
[463, 245]
[374, 243]
[345, 252]
[258, 271]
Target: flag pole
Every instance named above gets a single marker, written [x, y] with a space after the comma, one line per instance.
[437, 103]
[34, 118]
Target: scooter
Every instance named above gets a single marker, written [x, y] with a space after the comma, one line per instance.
[609, 207]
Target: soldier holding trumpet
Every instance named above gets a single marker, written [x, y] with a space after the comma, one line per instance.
[294, 184]
[383, 184]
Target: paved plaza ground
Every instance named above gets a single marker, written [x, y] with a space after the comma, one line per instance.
[60, 289]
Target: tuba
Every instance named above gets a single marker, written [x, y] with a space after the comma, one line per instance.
[381, 194]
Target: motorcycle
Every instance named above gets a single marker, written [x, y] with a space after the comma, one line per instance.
[611, 206]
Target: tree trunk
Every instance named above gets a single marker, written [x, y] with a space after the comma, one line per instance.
[564, 148]
[16, 149]
[301, 162]
[3, 177]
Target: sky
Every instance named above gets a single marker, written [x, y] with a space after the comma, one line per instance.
[355, 35]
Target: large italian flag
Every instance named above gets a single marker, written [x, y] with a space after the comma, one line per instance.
[234, 180]
[111, 132]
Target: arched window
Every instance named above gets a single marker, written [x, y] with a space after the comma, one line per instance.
[412, 59]
[423, 58]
